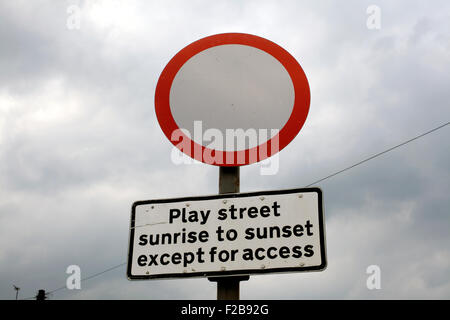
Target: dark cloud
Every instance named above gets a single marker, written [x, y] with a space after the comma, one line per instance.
[79, 142]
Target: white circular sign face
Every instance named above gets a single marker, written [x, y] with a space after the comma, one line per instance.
[221, 86]
[232, 99]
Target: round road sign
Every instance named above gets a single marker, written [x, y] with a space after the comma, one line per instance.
[232, 99]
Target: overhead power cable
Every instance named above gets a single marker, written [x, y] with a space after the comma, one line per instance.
[378, 154]
[83, 279]
[92, 276]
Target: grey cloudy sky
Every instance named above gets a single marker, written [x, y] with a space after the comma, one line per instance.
[79, 141]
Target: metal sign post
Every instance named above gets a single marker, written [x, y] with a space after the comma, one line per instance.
[228, 287]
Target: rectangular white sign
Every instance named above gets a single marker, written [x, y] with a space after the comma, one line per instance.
[227, 234]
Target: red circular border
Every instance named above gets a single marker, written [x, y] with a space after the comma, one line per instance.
[285, 135]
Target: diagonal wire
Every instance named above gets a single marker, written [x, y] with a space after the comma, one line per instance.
[378, 154]
[84, 279]
[92, 276]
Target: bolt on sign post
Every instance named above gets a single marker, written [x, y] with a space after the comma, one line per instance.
[229, 100]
